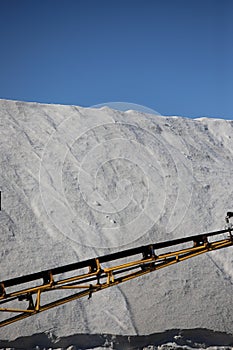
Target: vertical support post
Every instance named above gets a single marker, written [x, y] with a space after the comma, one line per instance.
[48, 278]
[37, 307]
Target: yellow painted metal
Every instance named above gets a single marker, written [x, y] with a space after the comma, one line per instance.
[37, 307]
[108, 275]
[16, 310]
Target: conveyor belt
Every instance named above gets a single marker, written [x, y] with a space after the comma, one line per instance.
[84, 273]
[108, 257]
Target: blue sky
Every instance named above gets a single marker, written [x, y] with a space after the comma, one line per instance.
[174, 56]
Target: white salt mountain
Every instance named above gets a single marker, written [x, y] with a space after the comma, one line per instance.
[79, 182]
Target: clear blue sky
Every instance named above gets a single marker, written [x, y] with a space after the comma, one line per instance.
[174, 56]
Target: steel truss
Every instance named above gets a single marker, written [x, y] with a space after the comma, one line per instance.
[92, 275]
